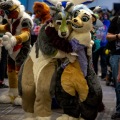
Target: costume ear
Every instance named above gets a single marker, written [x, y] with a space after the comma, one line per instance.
[69, 7]
[37, 5]
[59, 6]
[53, 10]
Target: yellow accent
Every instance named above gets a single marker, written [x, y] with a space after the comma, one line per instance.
[2, 28]
[23, 37]
[12, 98]
[13, 79]
[13, 7]
[73, 80]
[107, 52]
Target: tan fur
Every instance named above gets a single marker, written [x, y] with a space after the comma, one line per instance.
[37, 101]
[81, 30]
[28, 87]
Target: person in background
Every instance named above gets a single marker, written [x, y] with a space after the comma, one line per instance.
[113, 36]
[3, 55]
[100, 41]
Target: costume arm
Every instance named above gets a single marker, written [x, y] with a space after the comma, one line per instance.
[4, 28]
[24, 36]
[25, 32]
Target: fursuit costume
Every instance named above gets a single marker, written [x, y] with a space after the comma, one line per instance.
[75, 98]
[17, 41]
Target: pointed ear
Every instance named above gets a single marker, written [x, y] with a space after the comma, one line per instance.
[59, 6]
[53, 10]
[69, 7]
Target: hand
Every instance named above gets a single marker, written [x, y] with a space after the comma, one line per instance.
[118, 78]
[9, 42]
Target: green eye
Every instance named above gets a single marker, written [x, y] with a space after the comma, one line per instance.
[85, 18]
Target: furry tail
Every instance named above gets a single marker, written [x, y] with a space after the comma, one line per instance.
[101, 107]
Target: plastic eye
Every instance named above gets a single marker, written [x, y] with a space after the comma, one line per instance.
[58, 22]
[76, 13]
[68, 22]
[85, 18]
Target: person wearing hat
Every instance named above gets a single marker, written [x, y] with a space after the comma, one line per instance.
[17, 41]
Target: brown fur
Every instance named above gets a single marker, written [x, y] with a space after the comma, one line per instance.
[42, 11]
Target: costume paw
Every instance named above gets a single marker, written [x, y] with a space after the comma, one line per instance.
[28, 116]
[71, 57]
[18, 101]
[66, 117]
[9, 42]
[6, 99]
[43, 118]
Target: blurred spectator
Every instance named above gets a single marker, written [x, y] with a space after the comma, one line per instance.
[100, 42]
[3, 56]
[113, 36]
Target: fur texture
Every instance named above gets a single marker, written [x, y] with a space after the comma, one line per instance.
[42, 11]
[17, 42]
[39, 100]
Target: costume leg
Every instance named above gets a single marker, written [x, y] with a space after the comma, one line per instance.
[28, 89]
[13, 83]
[75, 89]
[42, 107]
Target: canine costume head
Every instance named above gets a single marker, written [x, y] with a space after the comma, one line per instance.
[12, 8]
[61, 18]
[42, 11]
[82, 21]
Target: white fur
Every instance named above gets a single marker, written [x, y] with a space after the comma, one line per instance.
[28, 116]
[5, 99]
[61, 54]
[18, 101]
[82, 32]
[66, 117]
[10, 97]
[9, 42]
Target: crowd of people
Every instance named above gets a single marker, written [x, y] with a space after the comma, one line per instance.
[106, 48]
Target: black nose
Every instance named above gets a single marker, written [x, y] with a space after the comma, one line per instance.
[75, 20]
[63, 33]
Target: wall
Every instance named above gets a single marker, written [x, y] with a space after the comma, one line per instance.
[104, 3]
[28, 4]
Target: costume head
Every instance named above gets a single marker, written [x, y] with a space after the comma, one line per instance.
[82, 21]
[61, 17]
[41, 11]
[12, 8]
